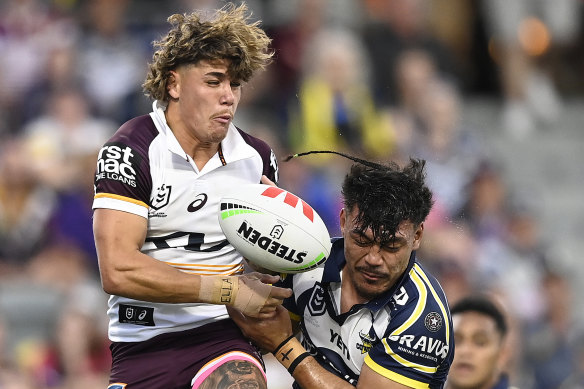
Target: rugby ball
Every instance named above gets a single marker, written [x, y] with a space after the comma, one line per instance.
[274, 228]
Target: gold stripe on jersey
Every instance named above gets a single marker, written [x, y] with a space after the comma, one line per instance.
[294, 316]
[405, 362]
[420, 305]
[205, 270]
[122, 198]
[202, 265]
[438, 300]
[394, 376]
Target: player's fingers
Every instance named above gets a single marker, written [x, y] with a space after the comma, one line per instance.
[267, 278]
[280, 293]
[267, 181]
[238, 317]
[266, 315]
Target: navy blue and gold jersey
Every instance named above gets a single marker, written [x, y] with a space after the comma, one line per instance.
[404, 334]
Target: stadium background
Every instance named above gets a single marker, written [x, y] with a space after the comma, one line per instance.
[488, 92]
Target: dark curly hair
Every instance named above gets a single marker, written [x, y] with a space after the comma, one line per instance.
[483, 305]
[228, 34]
[385, 194]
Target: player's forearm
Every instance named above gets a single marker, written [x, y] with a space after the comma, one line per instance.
[304, 368]
[310, 375]
[141, 277]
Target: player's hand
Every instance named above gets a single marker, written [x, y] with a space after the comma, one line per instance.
[254, 267]
[256, 298]
[266, 333]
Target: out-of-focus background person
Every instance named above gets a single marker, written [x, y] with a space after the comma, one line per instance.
[481, 351]
[489, 92]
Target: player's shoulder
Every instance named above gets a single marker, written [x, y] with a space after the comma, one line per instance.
[257, 143]
[138, 132]
[421, 285]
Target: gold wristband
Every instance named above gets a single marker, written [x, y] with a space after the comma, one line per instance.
[288, 352]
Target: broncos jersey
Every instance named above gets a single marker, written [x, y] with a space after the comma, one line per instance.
[404, 334]
[143, 170]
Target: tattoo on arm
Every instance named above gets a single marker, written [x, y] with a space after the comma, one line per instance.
[235, 375]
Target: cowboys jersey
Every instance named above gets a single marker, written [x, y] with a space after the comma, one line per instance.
[404, 334]
[143, 170]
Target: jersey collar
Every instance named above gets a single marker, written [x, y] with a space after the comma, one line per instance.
[334, 265]
[231, 149]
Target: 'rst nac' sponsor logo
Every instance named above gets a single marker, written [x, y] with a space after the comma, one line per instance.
[119, 162]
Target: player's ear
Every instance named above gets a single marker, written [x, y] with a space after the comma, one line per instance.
[173, 84]
[418, 233]
[342, 218]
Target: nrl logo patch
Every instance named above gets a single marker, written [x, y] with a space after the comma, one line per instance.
[433, 321]
[162, 197]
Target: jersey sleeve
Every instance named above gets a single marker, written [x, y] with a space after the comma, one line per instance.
[418, 347]
[269, 160]
[122, 177]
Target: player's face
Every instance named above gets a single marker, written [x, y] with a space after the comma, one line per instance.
[371, 268]
[206, 99]
[478, 352]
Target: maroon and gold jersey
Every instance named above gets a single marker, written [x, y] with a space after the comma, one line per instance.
[143, 170]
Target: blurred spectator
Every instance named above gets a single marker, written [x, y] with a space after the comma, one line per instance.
[25, 209]
[61, 148]
[552, 345]
[576, 379]
[449, 146]
[484, 207]
[79, 355]
[336, 110]
[28, 33]
[524, 31]
[391, 28]
[450, 252]
[481, 348]
[113, 61]
[65, 133]
[62, 72]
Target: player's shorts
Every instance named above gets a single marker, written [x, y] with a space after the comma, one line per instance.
[177, 360]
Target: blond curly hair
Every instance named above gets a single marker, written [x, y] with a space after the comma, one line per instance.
[227, 35]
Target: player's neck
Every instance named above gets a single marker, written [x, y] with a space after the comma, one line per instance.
[349, 295]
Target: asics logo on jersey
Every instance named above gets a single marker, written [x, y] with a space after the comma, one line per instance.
[198, 203]
[118, 162]
[117, 386]
[291, 200]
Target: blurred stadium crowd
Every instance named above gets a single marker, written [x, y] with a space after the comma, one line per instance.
[384, 80]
